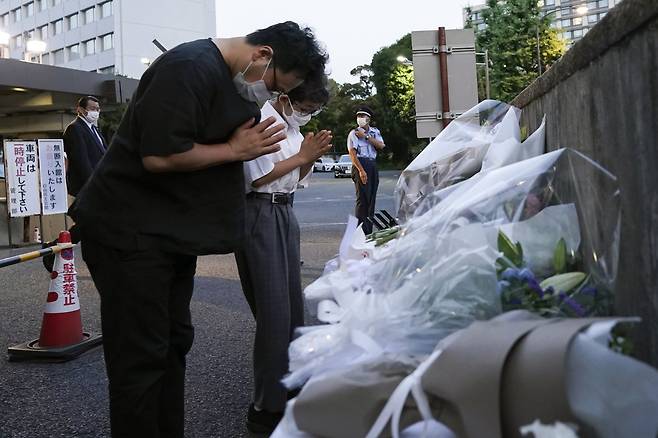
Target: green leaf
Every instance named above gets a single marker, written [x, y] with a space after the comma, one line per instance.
[560, 257]
[512, 252]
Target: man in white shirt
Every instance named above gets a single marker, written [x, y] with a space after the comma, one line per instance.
[269, 261]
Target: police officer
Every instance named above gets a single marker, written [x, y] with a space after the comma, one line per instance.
[363, 143]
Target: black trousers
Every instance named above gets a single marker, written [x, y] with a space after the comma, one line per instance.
[366, 194]
[147, 331]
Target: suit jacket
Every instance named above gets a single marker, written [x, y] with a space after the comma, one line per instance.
[83, 151]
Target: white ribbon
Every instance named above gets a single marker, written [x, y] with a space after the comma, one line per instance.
[393, 409]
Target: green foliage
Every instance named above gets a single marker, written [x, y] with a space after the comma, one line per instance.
[400, 91]
[109, 121]
[387, 87]
[395, 95]
[511, 39]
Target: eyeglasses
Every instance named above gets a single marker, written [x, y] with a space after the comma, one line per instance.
[309, 112]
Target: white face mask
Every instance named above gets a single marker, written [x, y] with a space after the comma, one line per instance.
[253, 91]
[92, 116]
[362, 121]
[296, 119]
[301, 120]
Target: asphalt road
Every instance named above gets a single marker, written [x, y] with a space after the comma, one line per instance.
[70, 399]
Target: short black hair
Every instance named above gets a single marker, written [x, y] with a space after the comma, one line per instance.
[313, 89]
[83, 101]
[295, 48]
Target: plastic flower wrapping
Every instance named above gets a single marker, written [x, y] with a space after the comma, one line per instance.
[484, 137]
[513, 229]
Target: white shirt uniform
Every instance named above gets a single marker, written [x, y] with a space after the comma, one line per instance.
[264, 164]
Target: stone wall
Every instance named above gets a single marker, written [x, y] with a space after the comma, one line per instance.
[601, 98]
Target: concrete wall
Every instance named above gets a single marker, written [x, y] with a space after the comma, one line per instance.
[601, 98]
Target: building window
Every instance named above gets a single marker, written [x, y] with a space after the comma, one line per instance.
[107, 70]
[592, 5]
[74, 52]
[89, 15]
[43, 32]
[16, 13]
[549, 2]
[565, 23]
[107, 42]
[58, 57]
[55, 2]
[42, 5]
[482, 26]
[106, 9]
[566, 35]
[5, 20]
[90, 47]
[592, 18]
[58, 26]
[30, 35]
[73, 21]
[577, 21]
[18, 40]
[29, 9]
[45, 59]
[603, 3]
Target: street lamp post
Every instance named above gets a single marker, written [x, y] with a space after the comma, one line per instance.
[403, 60]
[580, 11]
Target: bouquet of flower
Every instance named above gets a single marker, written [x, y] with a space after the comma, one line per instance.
[486, 137]
[452, 266]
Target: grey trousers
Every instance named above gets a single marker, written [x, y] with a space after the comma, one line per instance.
[270, 273]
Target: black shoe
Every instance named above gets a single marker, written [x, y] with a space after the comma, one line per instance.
[262, 421]
[48, 260]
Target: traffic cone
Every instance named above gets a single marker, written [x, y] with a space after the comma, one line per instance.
[62, 324]
[61, 336]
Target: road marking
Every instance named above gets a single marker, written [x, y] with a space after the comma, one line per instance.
[343, 199]
[322, 224]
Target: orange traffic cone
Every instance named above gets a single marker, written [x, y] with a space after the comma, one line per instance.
[61, 337]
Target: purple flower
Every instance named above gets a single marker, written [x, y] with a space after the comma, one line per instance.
[511, 274]
[501, 285]
[589, 290]
[549, 290]
[534, 286]
[526, 274]
[573, 304]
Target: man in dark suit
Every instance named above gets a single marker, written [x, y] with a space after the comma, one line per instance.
[83, 143]
[84, 146]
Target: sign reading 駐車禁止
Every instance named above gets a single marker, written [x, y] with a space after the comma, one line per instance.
[22, 175]
[53, 179]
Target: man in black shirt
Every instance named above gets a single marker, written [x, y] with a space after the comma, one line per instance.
[170, 188]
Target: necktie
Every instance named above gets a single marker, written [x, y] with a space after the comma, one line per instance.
[98, 137]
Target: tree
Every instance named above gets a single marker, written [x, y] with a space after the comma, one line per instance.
[387, 87]
[510, 36]
[109, 122]
[395, 95]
